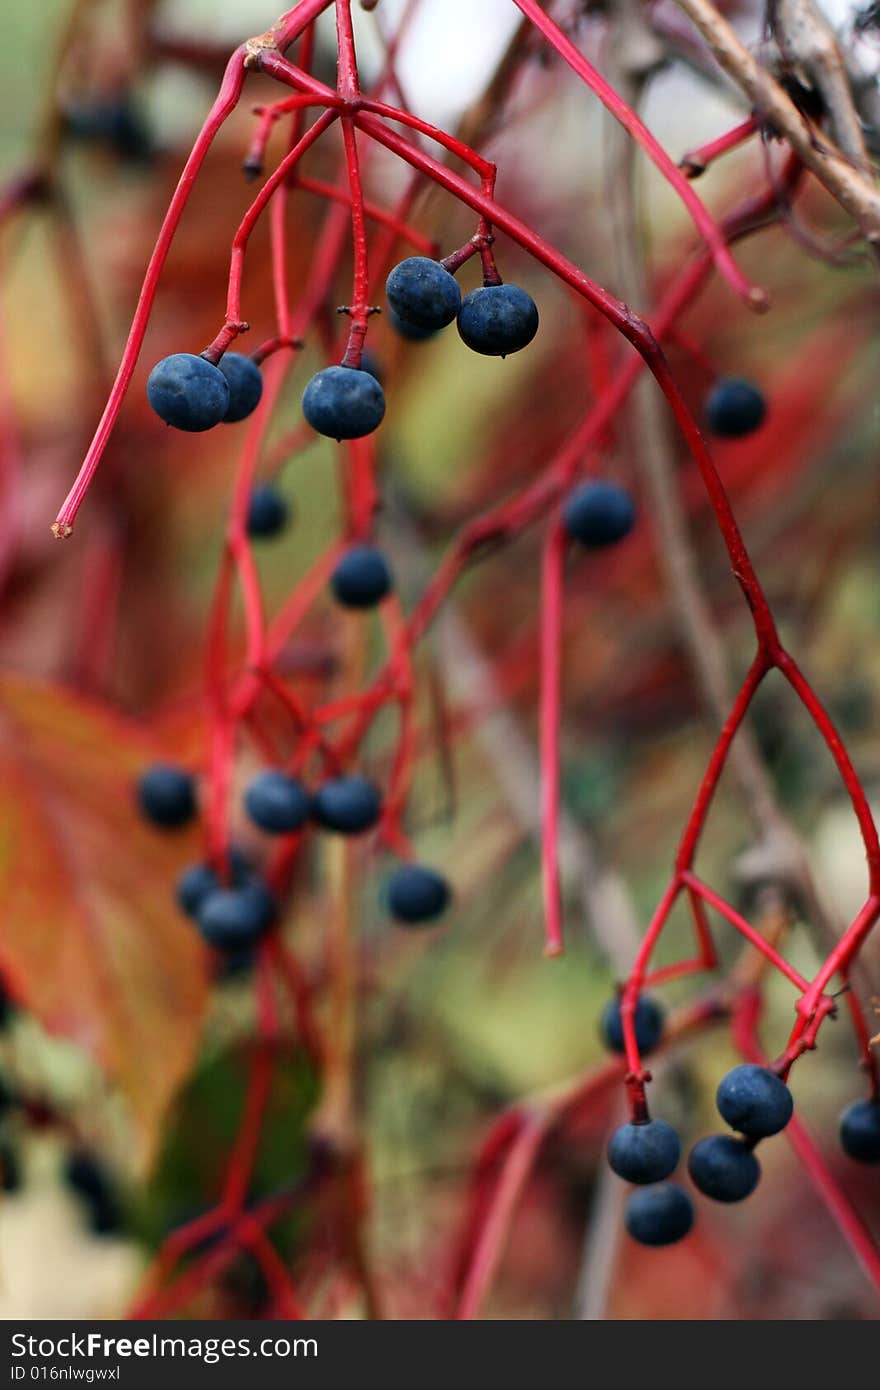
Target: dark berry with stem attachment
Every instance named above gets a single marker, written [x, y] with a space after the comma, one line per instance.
[497, 320]
[598, 514]
[187, 392]
[659, 1215]
[196, 882]
[724, 1168]
[268, 512]
[245, 382]
[410, 331]
[422, 293]
[344, 403]
[167, 796]
[347, 805]
[362, 577]
[234, 918]
[645, 1152]
[860, 1131]
[417, 893]
[754, 1101]
[734, 407]
[648, 1023]
[277, 802]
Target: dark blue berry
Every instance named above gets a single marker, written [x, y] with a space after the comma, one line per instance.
[362, 577]
[245, 382]
[422, 293]
[188, 392]
[598, 514]
[117, 122]
[659, 1215]
[410, 331]
[646, 1152]
[734, 407]
[754, 1101]
[648, 1021]
[277, 803]
[167, 796]
[860, 1131]
[234, 918]
[343, 403]
[722, 1167]
[268, 512]
[498, 319]
[347, 804]
[196, 882]
[417, 893]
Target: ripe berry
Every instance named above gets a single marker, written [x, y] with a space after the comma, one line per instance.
[245, 382]
[646, 1152]
[722, 1167]
[196, 882]
[417, 893]
[167, 796]
[410, 331]
[598, 514]
[277, 803]
[860, 1131]
[754, 1101]
[232, 918]
[659, 1215]
[648, 1021]
[347, 804]
[734, 408]
[343, 403]
[361, 578]
[268, 512]
[498, 319]
[188, 392]
[423, 293]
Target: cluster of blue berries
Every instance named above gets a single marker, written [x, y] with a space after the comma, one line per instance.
[193, 394]
[233, 915]
[752, 1099]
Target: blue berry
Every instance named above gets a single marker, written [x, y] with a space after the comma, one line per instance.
[362, 577]
[268, 512]
[343, 403]
[277, 803]
[860, 1131]
[598, 514]
[188, 392]
[659, 1215]
[734, 408]
[648, 1021]
[422, 293]
[646, 1152]
[722, 1167]
[410, 331]
[754, 1101]
[167, 796]
[417, 893]
[234, 918]
[497, 320]
[245, 382]
[196, 882]
[347, 804]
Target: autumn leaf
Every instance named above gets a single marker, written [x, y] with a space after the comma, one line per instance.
[90, 940]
